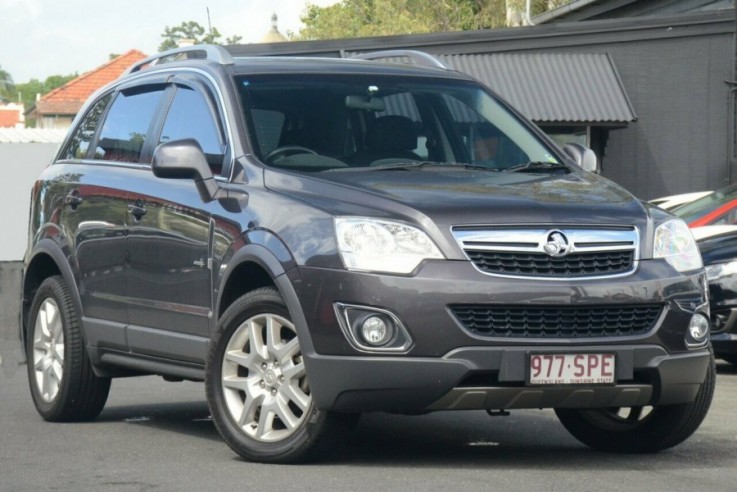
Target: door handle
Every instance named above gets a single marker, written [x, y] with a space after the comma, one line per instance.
[73, 199]
[137, 209]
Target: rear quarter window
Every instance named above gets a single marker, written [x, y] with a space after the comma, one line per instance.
[80, 141]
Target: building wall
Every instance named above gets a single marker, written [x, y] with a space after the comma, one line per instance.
[56, 122]
[676, 86]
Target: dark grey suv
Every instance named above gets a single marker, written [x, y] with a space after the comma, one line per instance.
[317, 238]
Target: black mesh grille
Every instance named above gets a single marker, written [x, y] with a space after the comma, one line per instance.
[556, 321]
[542, 265]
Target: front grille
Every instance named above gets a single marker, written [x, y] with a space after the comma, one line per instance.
[557, 321]
[540, 264]
[549, 252]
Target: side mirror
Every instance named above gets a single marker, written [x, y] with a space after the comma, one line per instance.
[583, 156]
[184, 159]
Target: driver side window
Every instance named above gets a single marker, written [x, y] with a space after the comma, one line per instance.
[190, 116]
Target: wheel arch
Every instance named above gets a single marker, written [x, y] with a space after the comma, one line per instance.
[47, 260]
[255, 266]
[246, 271]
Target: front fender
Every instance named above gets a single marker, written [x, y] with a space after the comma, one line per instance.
[281, 274]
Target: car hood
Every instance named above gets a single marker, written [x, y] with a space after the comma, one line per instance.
[459, 196]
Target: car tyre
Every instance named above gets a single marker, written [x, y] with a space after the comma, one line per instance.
[257, 387]
[63, 384]
[640, 429]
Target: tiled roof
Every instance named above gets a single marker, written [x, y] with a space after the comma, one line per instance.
[9, 118]
[68, 98]
[59, 107]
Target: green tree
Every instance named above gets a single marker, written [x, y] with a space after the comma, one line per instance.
[192, 30]
[358, 18]
[27, 91]
[7, 87]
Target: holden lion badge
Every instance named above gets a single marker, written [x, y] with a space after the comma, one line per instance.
[556, 244]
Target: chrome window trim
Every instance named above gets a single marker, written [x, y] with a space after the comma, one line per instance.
[220, 97]
[531, 239]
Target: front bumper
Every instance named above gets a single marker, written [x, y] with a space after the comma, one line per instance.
[449, 367]
[492, 378]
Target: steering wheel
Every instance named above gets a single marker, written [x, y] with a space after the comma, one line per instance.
[286, 151]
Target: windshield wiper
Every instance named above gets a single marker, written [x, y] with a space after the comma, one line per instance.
[421, 164]
[535, 166]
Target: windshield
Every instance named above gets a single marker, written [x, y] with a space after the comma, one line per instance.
[717, 208]
[319, 123]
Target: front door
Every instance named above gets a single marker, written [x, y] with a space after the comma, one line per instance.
[168, 272]
[169, 241]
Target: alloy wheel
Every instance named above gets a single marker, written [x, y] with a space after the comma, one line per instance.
[48, 349]
[264, 379]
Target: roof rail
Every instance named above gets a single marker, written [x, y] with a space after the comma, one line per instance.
[419, 58]
[198, 52]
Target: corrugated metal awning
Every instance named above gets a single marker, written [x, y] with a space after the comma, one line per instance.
[553, 87]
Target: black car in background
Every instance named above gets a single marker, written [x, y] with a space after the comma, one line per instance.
[718, 245]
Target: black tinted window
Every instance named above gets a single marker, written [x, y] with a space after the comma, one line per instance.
[318, 123]
[191, 117]
[80, 142]
[124, 131]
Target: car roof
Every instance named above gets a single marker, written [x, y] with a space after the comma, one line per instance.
[411, 63]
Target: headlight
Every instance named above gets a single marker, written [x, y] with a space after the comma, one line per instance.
[715, 272]
[382, 246]
[675, 244]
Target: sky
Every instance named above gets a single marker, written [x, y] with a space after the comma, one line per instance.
[39, 38]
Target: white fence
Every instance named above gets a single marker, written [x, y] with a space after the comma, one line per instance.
[20, 165]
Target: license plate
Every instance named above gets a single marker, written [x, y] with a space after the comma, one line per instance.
[571, 369]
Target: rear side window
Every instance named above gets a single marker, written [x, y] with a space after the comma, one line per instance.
[190, 116]
[124, 132]
[80, 141]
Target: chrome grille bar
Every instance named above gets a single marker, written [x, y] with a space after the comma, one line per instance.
[520, 245]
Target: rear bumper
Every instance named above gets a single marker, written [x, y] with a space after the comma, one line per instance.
[494, 378]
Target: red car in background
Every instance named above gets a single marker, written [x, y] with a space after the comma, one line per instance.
[718, 208]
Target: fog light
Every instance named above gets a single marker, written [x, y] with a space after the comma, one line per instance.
[372, 329]
[376, 330]
[698, 328]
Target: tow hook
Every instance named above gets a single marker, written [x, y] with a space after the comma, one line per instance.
[498, 413]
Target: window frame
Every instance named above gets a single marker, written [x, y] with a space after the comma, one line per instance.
[146, 154]
[93, 141]
[201, 86]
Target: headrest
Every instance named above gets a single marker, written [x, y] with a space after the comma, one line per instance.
[391, 132]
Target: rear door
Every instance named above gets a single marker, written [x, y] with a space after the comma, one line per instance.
[116, 160]
[92, 214]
